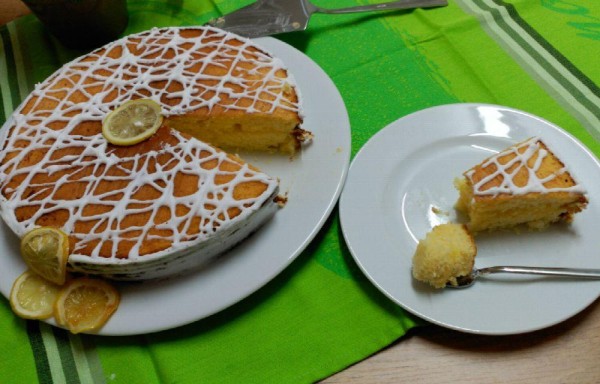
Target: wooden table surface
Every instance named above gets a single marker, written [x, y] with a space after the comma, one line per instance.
[566, 353]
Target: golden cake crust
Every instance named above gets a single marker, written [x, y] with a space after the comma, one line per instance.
[549, 171]
[92, 219]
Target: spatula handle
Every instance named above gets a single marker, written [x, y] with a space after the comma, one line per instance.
[402, 4]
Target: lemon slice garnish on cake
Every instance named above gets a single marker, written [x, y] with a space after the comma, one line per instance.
[132, 122]
[85, 304]
[46, 251]
[33, 297]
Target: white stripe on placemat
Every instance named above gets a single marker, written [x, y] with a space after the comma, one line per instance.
[51, 347]
[539, 70]
[4, 85]
[19, 64]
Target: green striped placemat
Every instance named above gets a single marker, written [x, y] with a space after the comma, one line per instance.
[321, 315]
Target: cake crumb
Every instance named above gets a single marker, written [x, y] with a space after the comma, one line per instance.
[281, 200]
[439, 211]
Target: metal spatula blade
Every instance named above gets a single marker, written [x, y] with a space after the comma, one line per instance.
[264, 18]
[269, 17]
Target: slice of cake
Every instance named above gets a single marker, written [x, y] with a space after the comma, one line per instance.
[167, 204]
[525, 184]
[447, 252]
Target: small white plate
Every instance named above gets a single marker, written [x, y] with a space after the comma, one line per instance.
[400, 185]
[312, 180]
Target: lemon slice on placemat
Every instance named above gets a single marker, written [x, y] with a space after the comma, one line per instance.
[132, 122]
[85, 304]
[33, 297]
[46, 251]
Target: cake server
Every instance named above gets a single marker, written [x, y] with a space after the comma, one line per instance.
[468, 280]
[270, 17]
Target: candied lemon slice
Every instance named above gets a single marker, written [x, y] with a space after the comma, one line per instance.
[132, 122]
[33, 297]
[46, 251]
[85, 304]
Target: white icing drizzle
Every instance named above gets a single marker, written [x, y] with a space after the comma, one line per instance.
[135, 76]
[523, 153]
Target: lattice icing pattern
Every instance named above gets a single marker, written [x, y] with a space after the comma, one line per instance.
[57, 169]
[210, 68]
[527, 157]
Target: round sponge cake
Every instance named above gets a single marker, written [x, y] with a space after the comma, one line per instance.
[169, 203]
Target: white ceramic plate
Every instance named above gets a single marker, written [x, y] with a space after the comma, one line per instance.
[313, 181]
[400, 185]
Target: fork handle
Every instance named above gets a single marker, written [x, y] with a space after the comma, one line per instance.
[564, 272]
[402, 4]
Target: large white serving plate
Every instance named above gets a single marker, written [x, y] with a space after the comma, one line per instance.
[400, 185]
[312, 181]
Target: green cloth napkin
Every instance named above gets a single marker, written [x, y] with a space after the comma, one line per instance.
[321, 314]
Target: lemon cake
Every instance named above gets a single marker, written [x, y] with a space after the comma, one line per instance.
[525, 184]
[169, 203]
[447, 252]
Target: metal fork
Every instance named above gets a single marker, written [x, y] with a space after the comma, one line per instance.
[468, 280]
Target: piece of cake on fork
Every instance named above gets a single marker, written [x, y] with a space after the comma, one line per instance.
[525, 184]
[447, 252]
